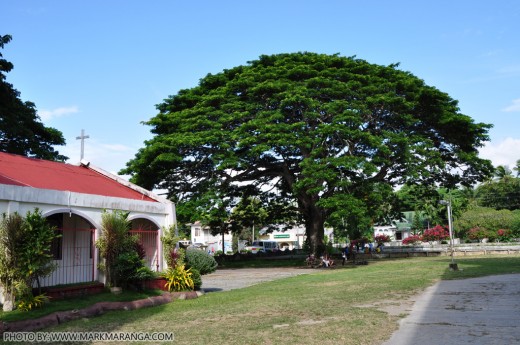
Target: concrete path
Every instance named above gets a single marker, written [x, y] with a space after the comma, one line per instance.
[468, 311]
[229, 279]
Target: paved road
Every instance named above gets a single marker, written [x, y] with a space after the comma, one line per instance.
[468, 311]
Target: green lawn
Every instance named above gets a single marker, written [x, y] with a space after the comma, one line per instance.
[338, 306]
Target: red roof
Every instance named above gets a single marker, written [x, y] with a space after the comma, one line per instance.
[30, 172]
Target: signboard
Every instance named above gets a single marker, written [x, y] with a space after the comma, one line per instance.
[282, 236]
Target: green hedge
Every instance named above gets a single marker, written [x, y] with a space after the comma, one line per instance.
[201, 261]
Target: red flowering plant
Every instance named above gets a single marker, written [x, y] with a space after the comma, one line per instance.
[438, 233]
[411, 240]
[503, 235]
[477, 233]
[380, 239]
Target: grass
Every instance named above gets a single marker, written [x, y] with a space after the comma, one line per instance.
[329, 307]
[75, 303]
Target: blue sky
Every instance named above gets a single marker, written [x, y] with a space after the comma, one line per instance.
[102, 66]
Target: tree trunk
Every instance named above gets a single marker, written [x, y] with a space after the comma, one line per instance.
[8, 300]
[314, 227]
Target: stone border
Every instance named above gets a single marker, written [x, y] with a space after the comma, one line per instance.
[96, 309]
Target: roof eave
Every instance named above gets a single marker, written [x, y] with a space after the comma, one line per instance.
[128, 184]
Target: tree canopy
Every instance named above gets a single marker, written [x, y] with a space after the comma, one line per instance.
[500, 194]
[21, 131]
[328, 135]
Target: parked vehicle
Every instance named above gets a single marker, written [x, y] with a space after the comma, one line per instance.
[263, 246]
[184, 243]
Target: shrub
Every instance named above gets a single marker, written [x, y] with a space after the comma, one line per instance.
[29, 302]
[127, 266]
[144, 273]
[515, 224]
[178, 279]
[197, 278]
[25, 245]
[438, 233]
[477, 233]
[504, 235]
[414, 239]
[487, 218]
[201, 261]
[380, 239]
[174, 255]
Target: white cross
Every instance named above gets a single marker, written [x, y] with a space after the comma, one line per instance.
[82, 137]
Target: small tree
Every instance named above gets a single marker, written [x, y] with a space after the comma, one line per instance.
[417, 224]
[173, 254]
[11, 234]
[438, 233]
[25, 245]
[412, 240]
[114, 245]
[381, 239]
[35, 255]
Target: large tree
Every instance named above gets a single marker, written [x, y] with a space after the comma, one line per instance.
[21, 130]
[500, 194]
[329, 135]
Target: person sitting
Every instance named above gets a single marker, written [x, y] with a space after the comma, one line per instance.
[327, 261]
[310, 260]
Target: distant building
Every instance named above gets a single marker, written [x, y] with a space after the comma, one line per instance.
[201, 236]
[292, 238]
[397, 232]
[388, 230]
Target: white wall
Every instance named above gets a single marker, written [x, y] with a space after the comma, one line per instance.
[201, 234]
[90, 207]
[294, 237]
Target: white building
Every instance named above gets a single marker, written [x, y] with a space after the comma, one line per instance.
[291, 238]
[212, 243]
[388, 230]
[73, 198]
[396, 232]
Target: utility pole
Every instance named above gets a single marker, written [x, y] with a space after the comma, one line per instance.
[453, 266]
[82, 137]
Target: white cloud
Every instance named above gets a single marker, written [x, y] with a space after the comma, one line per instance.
[513, 107]
[47, 115]
[506, 152]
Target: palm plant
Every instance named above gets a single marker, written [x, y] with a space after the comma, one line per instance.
[503, 172]
[517, 168]
[113, 241]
